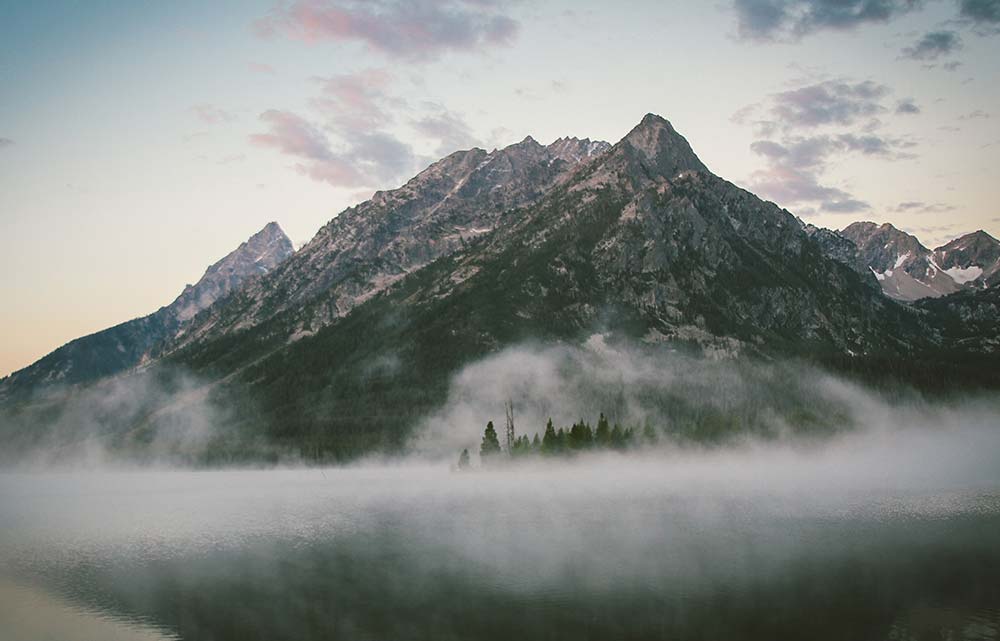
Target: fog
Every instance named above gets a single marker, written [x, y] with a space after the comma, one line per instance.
[160, 417]
[696, 403]
[839, 511]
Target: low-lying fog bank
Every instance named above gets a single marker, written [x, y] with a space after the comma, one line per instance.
[678, 403]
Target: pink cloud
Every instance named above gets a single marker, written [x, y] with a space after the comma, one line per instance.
[416, 29]
[362, 159]
[356, 101]
[212, 115]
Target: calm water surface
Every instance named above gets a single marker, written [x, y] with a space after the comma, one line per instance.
[619, 550]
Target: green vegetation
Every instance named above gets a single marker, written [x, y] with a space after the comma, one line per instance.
[576, 439]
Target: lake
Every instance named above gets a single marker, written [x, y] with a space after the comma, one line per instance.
[681, 546]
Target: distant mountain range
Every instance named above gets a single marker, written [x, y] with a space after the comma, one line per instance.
[908, 271]
[338, 347]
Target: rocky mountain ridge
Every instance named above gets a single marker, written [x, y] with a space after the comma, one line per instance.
[367, 248]
[337, 350]
[128, 344]
[909, 271]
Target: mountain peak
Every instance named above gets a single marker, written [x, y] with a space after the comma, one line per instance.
[261, 253]
[658, 143]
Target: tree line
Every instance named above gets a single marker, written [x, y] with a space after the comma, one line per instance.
[578, 438]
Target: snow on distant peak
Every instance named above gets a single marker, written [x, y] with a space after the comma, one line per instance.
[964, 275]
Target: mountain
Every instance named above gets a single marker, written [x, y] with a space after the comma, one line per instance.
[908, 271]
[972, 260]
[367, 248]
[341, 349]
[128, 344]
[643, 243]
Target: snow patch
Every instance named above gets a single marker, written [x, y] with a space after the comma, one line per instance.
[962, 275]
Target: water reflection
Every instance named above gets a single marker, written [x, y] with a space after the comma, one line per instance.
[417, 553]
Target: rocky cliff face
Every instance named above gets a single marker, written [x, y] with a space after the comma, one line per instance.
[367, 248]
[126, 345]
[908, 271]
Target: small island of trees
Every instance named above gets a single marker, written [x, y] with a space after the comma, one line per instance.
[578, 438]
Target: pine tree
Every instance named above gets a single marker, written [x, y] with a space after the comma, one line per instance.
[536, 444]
[463, 460]
[490, 447]
[549, 442]
[580, 436]
[602, 437]
[618, 438]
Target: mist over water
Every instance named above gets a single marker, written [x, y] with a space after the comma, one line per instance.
[832, 512]
[865, 537]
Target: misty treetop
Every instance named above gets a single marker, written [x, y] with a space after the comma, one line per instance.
[578, 438]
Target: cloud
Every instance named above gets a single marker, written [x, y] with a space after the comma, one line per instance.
[907, 106]
[839, 117]
[789, 20]
[212, 115]
[367, 158]
[413, 30]
[795, 166]
[789, 186]
[932, 45]
[356, 101]
[980, 12]
[978, 114]
[5, 142]
[831, 102]
[919, 207]
[449, 129]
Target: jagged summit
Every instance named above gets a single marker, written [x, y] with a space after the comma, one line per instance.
[261, 253]
[909, 271]
[660, 144]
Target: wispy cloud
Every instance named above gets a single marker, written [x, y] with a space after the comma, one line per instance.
[777, 20]
[414, 29]
[449, 129]
[907, 106]
[831, 102]
[933, 45]
[358, 100]
[362, 158]
[920, 207]
[212, 115]
[5, 142]
[803, 129]
[983, 14]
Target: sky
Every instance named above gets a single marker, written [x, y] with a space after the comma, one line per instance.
[142, 141]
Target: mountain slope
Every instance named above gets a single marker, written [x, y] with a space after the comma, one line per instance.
[367, 248]
[908, 271]
[123, 346]
[972, 260]
[905, 268]
[643, 242]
